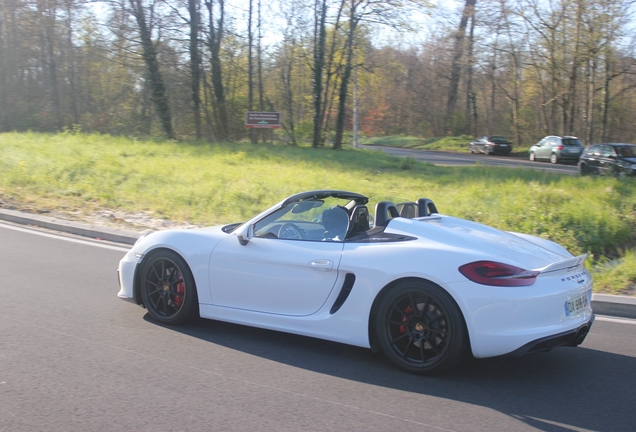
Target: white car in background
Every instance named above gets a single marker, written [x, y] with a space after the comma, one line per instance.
[422, 287]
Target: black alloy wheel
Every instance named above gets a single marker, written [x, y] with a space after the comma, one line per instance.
[167, 288]
[420, 328]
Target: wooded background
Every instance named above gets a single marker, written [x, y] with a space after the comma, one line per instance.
[190, 69]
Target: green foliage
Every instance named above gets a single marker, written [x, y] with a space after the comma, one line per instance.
[227, 182]
[617, 276]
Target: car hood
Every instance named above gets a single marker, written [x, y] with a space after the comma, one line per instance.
[484, 242]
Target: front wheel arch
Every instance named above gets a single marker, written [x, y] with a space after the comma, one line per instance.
[373, 339]
[137, 285]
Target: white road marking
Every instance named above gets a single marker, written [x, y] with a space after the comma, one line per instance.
[68, 239]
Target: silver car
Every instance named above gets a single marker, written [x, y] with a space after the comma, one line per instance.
[557, 149]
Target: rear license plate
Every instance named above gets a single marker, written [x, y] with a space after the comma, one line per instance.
[577, 304]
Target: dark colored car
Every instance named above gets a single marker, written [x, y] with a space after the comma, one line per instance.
[491, 145]
[609, 159]
[557, 149]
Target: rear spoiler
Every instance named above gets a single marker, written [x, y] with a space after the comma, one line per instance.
[570, 263]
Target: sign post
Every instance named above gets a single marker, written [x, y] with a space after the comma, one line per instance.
[262, 120]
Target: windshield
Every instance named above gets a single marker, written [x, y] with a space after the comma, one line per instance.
[310, 220]
[497, 139]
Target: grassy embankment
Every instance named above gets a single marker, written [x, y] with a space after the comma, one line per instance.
[217, 183]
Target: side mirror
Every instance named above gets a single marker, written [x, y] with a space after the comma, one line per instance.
[245, 234]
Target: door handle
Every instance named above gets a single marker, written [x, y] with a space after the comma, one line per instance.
[321, 265]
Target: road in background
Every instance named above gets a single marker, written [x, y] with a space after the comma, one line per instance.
[468, 159]
[74, 357]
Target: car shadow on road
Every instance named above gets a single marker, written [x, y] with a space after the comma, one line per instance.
[552, 391]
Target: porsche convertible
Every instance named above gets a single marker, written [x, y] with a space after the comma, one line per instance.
[424, 288]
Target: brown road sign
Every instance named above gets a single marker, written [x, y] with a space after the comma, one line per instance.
[269, 120]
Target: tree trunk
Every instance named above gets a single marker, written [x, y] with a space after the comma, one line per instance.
[195, 64]
[346, 76]
[158, 92]
[320, 36]
[471, 108]
[250, 67]
[215, 39]
[458, 53]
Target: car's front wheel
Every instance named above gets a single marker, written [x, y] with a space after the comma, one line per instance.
[167, 288]
[532, 157]
[584, 169]
[420, 328]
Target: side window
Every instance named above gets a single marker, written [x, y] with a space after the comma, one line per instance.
[554, 141]
[591, 150]
[607, 151]
[318, 220]
[543, 142]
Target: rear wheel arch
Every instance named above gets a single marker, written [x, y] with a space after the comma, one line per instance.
[373, 337]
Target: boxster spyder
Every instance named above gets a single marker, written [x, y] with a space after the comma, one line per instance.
[422, 287]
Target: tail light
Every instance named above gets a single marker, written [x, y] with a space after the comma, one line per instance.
[498, 274]
[560, 147]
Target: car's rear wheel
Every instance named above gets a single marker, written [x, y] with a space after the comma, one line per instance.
[532, 157]
[420, 328]
[554, 158]
[167, 288]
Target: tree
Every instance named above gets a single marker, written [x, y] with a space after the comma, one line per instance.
[458, 53]
[158, 89]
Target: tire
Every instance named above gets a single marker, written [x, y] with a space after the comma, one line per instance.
[420, 328]
[583, 169]
[553, 158]
[533, 158]
[486, 151]
[167, 288]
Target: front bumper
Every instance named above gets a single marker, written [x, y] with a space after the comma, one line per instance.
[126, 273]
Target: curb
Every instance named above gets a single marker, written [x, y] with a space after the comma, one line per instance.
[603, 304]
[77, 228]
[614, 305]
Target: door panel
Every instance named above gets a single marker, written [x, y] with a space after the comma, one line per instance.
[287, 277]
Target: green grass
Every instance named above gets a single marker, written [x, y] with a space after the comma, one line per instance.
[206, 183]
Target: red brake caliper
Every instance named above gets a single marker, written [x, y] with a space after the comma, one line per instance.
[407, 311]
[178, 299]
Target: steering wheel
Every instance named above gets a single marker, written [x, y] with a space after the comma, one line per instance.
[290, 230]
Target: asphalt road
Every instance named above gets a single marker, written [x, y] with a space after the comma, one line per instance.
[467, 159]
[73, 357]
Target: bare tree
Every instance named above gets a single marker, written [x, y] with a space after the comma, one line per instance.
[456, 66]
[159, 95]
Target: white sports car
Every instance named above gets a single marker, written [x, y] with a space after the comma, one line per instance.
[423, 287]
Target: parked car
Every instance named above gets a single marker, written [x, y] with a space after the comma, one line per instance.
[609, 159]
[557, 149]
[422, 287]
[491, 145]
